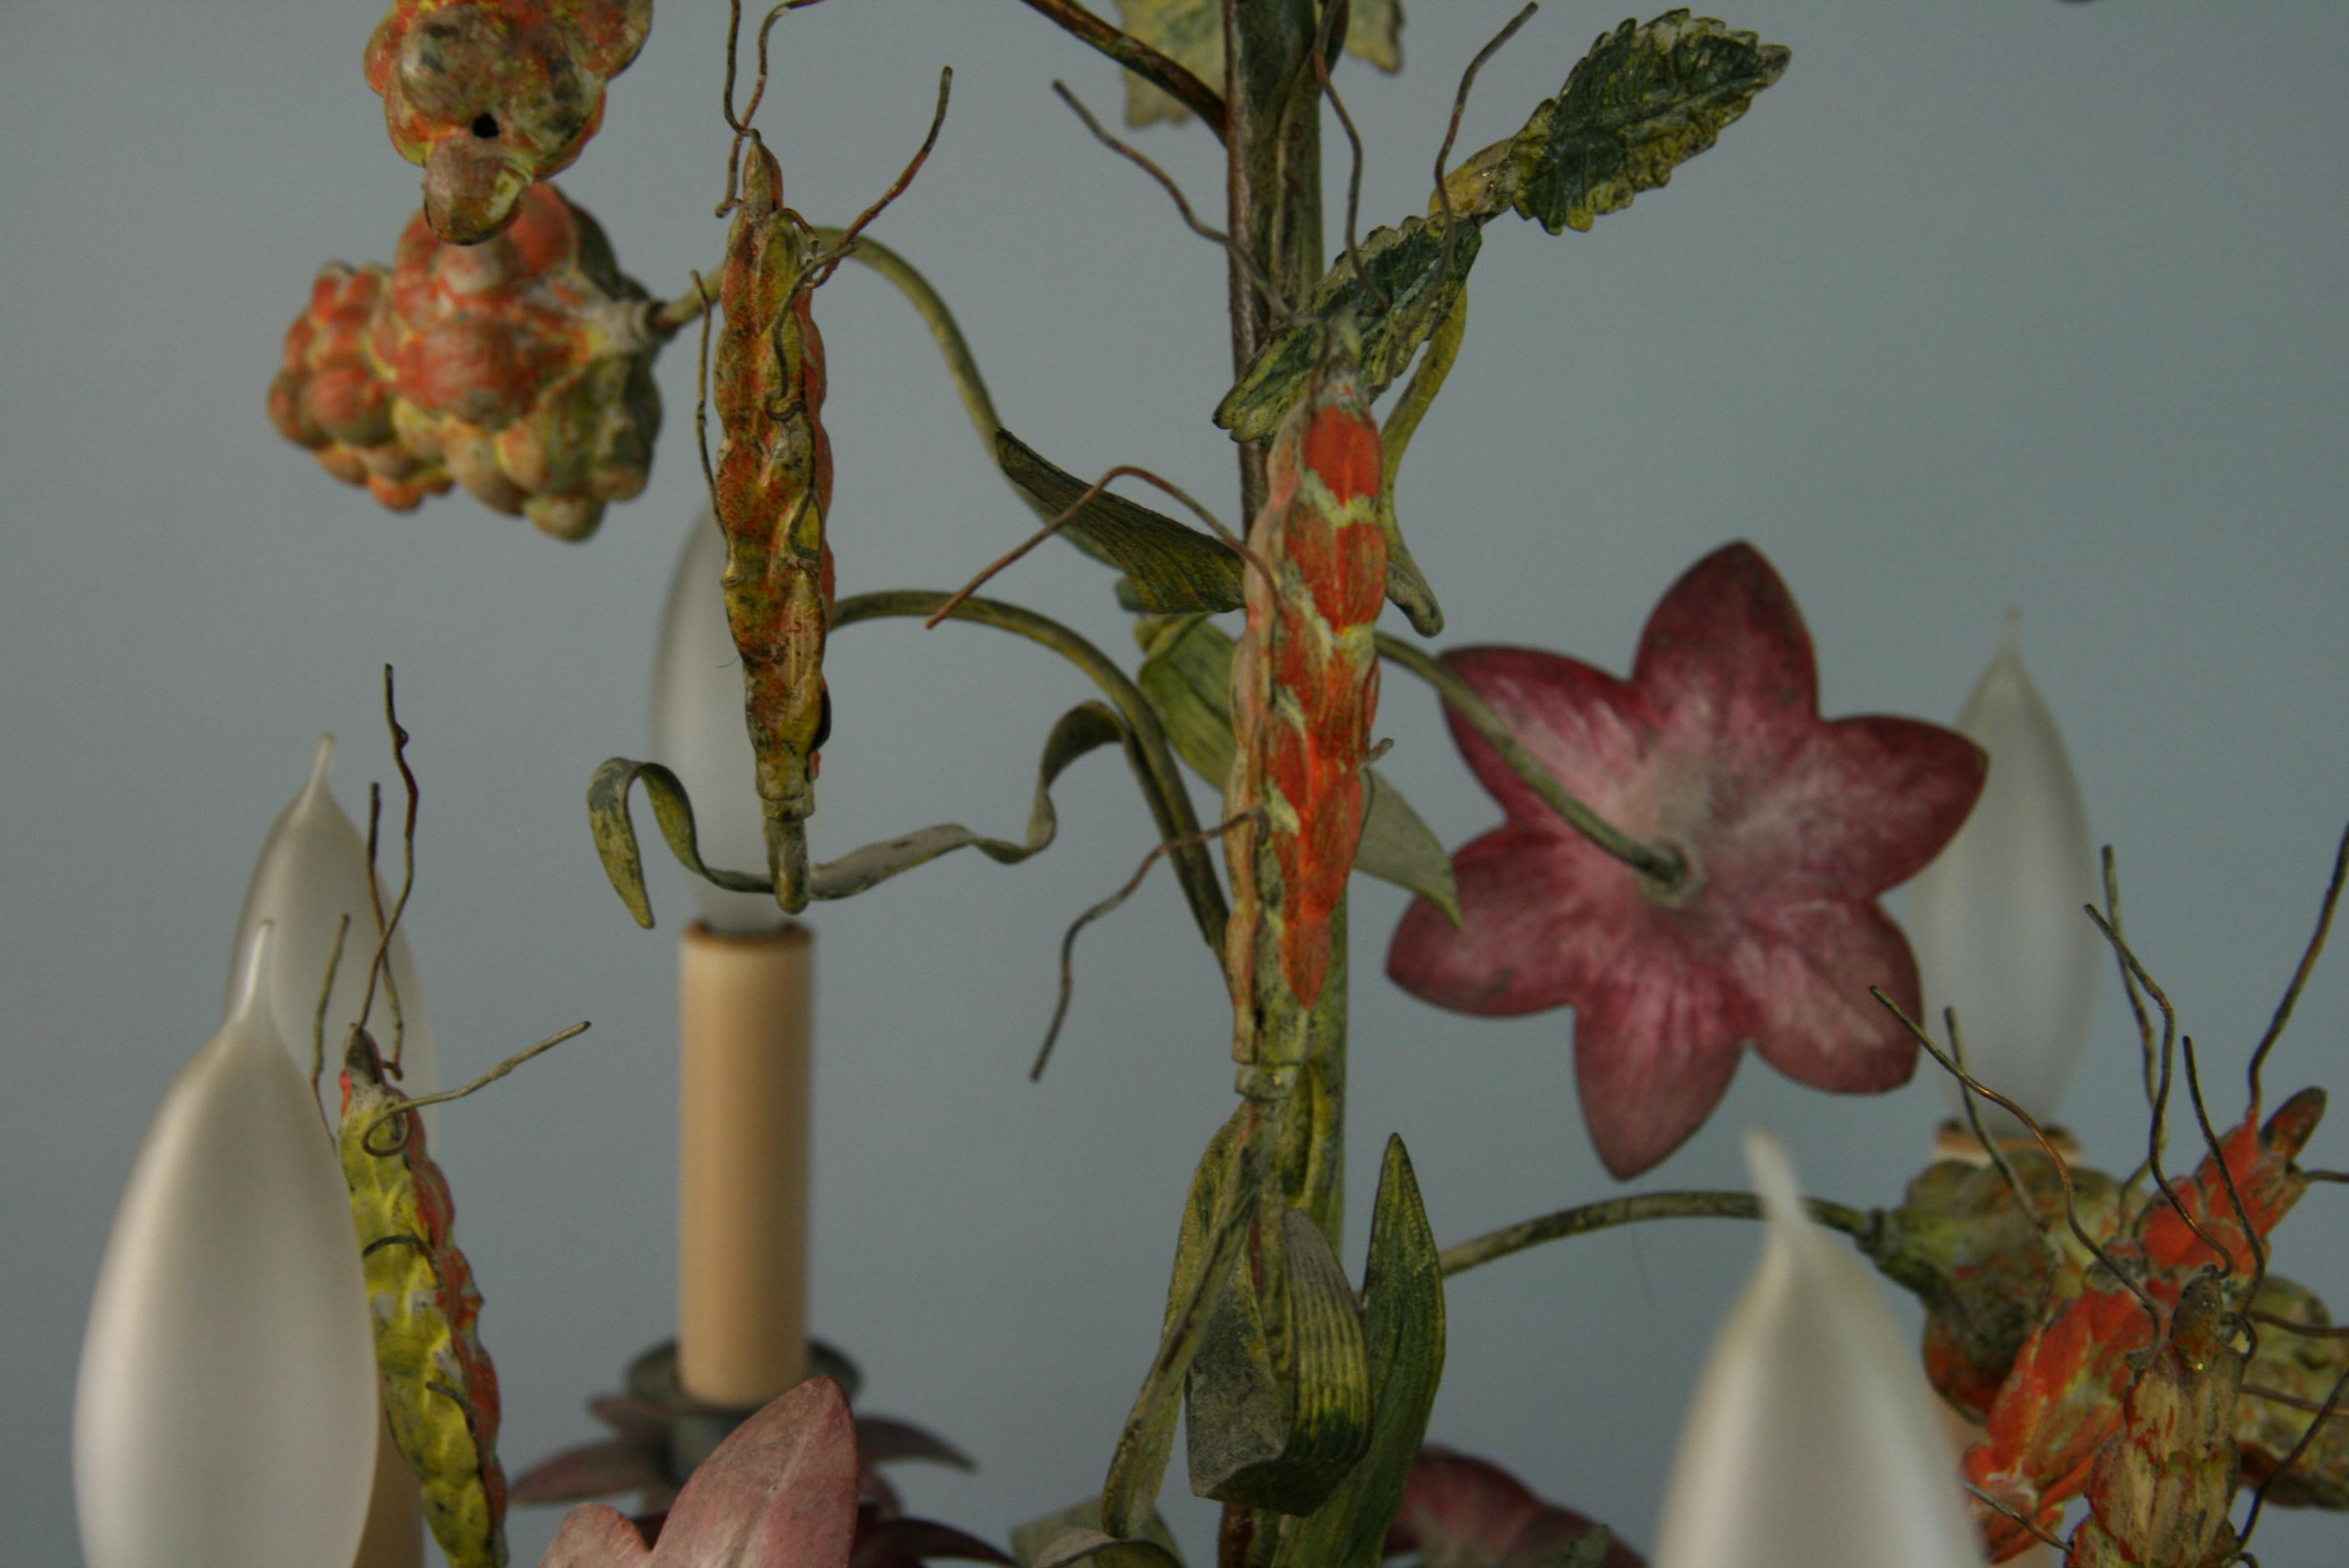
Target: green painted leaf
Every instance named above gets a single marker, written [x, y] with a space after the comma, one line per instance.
[1215, 1217]
[1402, 1309]
[1084, 729]
[1281, 1439]
[1590, 1548]
[1074, 1535]
[1648, 96]
[1187, 675]
[1172, 566]
[1399, 847]
[615, 834]
[1191, 34]
[1409, 266]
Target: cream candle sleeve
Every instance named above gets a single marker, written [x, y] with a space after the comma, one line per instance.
[745, 1012]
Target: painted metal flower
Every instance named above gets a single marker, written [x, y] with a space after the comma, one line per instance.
[520, 368]
[330, 399]
[491, 95]
[1788, 825]
[523, 365]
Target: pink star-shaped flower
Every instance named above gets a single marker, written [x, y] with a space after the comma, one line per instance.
[1790, 827]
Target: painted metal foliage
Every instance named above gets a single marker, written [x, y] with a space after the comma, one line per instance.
[520, 367]
[2113, 1383]
[440, 1391]
[490, 95]
[773, 492]
[1305, 682]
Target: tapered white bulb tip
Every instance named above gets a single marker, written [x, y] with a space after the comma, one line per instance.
[322, 769]
[248, 997]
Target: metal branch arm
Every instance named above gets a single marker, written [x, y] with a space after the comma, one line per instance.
[1169, 798]
[1168, 76]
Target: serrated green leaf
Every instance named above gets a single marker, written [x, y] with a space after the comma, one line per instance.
[1410, 267]
[1403, 1310]
[1074, 1535]
[1647, 97]
[1187, 675]
[1374, 33]
[1191, 34]
[1172, 567]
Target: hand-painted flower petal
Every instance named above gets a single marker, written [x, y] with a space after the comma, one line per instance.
[1808, 968]
[597, 1535]
[1859, 807]
[1791, 826]
[1585, 726]
[1457, 1508]
[780, 1492]
[1654, 1049]
[1534, 929]
[1725, 655]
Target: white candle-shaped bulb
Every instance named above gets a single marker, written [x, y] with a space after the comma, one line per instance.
[313, 871]
[1812, 1441]
[698, 732]
[225, 1414]
[1996, 919]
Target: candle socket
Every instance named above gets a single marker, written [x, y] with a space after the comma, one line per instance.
[744, 1089]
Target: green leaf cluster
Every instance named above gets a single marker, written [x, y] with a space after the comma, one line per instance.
[1647, 97]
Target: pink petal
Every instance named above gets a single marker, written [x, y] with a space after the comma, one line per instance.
[1862, 804]
[1808, 969]
[881, 1439]
[1654, 1048]
[593, 1470]
[595, 1536]
[1460, 1509]
[1536, 925]
[1585, 726]
[780, 1492]
[1726, 657]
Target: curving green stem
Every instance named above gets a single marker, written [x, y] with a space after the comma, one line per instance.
[1406, 584]
[1658, 862]
[961, 366]
[932, 308]
[1863, 1226]
[1169, 799]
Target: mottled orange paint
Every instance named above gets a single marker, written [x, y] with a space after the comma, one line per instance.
[491, 95]
[2065, 1409]
[774, 488]
[1305, 681]
[520, 368]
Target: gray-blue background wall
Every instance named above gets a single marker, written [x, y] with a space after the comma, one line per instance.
[1985, 305]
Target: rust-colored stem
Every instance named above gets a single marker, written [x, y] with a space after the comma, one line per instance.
[1169, 77]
